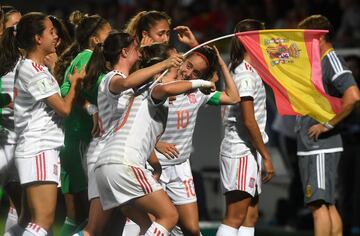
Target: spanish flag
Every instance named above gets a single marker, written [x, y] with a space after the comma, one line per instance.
[289, 62]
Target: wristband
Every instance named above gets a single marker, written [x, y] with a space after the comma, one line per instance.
[327, 125]
[199, 83]
[91, 109]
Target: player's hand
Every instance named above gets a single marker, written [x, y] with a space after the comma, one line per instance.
[269, 170]
[185, 36]
[76, 76]
[146, 41]
[315, 131]
[95, 132]
[169, 150]
[220, 59]
[50, 61]
[174, 61]
[208, 90]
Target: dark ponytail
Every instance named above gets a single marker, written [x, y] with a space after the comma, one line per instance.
[237, 50]
[85, 27]
[211, 58]
[153, 54]
[9, 52]
[105, 57]
[29, 26]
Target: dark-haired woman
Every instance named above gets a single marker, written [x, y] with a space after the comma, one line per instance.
[149, 25]
[175, 144]
[243, 148]
[79, 126]
[111, 64]
[38, 109]
[10, 16]
[122, 178]
[8, 174]
[64, 41]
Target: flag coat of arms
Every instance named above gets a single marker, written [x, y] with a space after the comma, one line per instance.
[289, 62]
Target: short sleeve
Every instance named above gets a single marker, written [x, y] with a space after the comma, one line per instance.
[344, 81]
[155, 102]
[42, 86]
[214, 98]
[245, 84]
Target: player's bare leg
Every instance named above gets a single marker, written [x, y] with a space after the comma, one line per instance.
[322, 220]
[159, 205]
[237, 203]
[336, 222]
[189, 219]
[41, 200]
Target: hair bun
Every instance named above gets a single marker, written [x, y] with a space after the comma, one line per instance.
[76, 17]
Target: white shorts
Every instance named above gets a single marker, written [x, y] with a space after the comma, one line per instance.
[8, 171]
[43, 167]
[93, 191]
[119, 183]
[177, 181]
[131, 228]
[92, 154]
[243, 174]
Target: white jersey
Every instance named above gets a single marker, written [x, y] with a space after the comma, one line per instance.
[7, 133]
[111, 107]
[180, 125]
[37, 125]
[236, 142]
[136, 133]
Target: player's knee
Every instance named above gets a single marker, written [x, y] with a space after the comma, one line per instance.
[235, 220]
[173, 216]
[251, 219]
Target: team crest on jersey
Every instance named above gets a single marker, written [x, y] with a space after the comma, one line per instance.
[308, 191]
[192, 98]
[45, 84]
[252, 183]
[281, 51]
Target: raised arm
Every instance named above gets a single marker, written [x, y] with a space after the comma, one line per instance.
[230, 95]
[63, 106]
[163, 91]
[185, 36]
[118, 84]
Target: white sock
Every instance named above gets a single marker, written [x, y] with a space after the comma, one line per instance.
[157, 230]
[176, 231]
[11, 219]
[34, 230]
[225, 230]
[246, 231]
[15, 230]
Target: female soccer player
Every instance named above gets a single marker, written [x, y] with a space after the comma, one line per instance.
[79, 127]
[64, 41]
[243, 146]
[8, 175]
[112, 61]
[175, 144]
[149, 26]
[10, 17]
[37, 102]
[121, 175]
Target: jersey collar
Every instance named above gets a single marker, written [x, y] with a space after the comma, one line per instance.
[326, 53]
